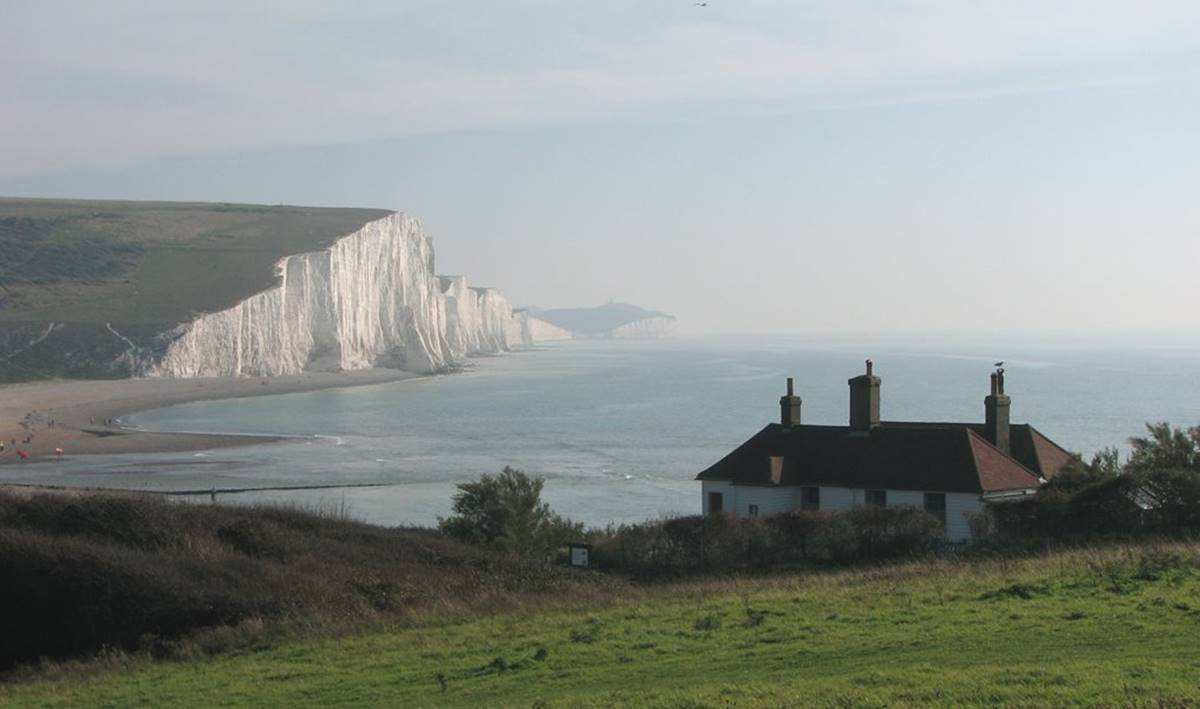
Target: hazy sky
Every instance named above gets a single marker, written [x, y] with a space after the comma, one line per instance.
[750, 166]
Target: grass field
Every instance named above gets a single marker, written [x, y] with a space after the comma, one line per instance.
[1116, 627]
[87, 261]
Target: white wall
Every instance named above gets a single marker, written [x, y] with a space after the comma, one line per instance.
[738, 498]
[840, 498]
[771, 500]
[959, 505]
[725, 488]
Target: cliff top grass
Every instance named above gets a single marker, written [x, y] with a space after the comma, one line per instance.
[93, 261]
[1097, 627]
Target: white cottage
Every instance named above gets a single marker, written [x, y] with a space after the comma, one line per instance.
[950, 469]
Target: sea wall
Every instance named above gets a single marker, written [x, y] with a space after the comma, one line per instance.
[370, 300]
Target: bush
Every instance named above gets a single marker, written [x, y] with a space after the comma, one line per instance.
[1135, 504]
[885, 533]
[1173, 497]
[793, 533]
[715, 542]
[506, 510]
[82, 572]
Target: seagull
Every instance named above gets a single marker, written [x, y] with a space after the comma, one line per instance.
[701, 4]
[999, 364]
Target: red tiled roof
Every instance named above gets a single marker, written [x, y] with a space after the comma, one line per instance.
[1051, 456]
[996, 470]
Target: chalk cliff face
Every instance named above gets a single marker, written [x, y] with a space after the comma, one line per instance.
[541, 331]
[610, 320]
[369, 300]
[479, 319]
[659, 326]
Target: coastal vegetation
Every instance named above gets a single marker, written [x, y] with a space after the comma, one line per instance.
[90, 572]
[1085, 592]
[506, 511]
[1111, 626]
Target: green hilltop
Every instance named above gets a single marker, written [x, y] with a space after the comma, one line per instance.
[90, 261]
[82, 280]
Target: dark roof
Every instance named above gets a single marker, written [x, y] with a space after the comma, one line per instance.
[895, 456]
[1029, 446]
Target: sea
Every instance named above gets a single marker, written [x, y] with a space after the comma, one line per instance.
[618, 429]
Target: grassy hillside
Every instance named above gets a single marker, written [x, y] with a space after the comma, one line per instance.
[87, 261]
[129, 572]
[1104, 627]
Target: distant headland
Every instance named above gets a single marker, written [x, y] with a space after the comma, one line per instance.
[620, 320]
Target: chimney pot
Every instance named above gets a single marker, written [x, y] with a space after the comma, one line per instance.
[789, 407]
[864, 400]
[996, 414]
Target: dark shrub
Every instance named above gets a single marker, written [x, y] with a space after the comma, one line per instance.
[1031, 519]
[792, 534]
[506, 510]
[1173, 499]
[1130, 505]
[722, 541]
[866, 533]
[82, 572]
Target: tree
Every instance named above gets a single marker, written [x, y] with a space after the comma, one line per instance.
[1106, 463]
[506, 510]
[1165, 448]
[1077, 474]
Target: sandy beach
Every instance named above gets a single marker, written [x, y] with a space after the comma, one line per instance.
[78, 415]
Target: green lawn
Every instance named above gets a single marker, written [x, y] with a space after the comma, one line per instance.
[93, 261]
[140, 268]
[1116, 627]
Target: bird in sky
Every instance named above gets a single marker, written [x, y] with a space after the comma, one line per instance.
[701, 4]
[999, 364]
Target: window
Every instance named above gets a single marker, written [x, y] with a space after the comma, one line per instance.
[935, 504]
[753, 510]
[876, 498]
[716, 503]
[810, 498]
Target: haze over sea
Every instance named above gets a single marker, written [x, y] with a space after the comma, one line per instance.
[619, 428]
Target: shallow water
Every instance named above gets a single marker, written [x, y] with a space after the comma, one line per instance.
[617, 428]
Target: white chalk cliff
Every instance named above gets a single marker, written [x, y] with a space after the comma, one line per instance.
[611, 320]
[539, 330]
[647, 328]
[371, 299]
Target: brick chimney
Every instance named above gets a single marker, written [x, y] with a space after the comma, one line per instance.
[995, 408]
[864, 400]
[789, 407]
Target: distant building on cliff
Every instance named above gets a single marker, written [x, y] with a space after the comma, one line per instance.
[949, 469]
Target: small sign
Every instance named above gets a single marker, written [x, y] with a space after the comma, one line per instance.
[580, 555]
